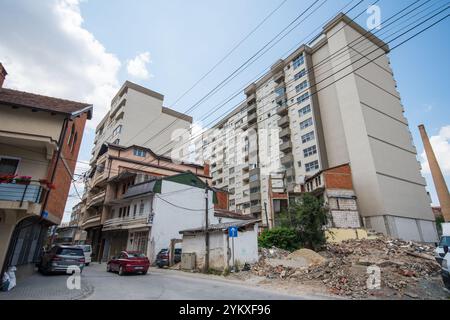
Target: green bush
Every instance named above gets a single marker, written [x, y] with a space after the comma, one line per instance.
[280, 237]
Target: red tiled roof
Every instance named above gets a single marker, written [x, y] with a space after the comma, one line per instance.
[44, 103]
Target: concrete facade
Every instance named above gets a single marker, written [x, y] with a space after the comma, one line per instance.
[334, 102]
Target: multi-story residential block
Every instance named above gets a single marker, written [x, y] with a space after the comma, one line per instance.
[331, 102]
[40, 138]
[107, 218]
[137, 116]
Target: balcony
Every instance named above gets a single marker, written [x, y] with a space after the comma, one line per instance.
[255, 209]
[251, 98]
[251, 108]
[283, 122]
[251, 118]
[282, 110]
[287, 159]
[250, 89]
[124, 223]
[21, 196]
[279, 77]
[290, 172]
[95, 199]
[255, 196]
[286, 146]
[285, 133]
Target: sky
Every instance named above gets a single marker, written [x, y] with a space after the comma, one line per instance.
[85, 49]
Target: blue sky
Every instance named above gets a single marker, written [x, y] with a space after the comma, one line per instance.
[183, 39]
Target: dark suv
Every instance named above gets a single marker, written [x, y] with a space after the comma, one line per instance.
[60, 258]
[162, 258]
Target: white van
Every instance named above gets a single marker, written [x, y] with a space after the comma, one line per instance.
[444, 241]
[87, 249]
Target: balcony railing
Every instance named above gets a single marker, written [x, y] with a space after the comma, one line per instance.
[21, 192]
[128, 222]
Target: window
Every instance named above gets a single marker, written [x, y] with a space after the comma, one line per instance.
[307, 123]
[8, 165]
[141, 207]
[139, 152]
[298, 61]
[231, 170]
[301, 86]
[116, 141]
[303, 97]
[308, 137]
[309, 151]
[120, 212]
[310, 166]
[304, 110]
[74, 142]
[299, 74]
[134, 210]
[117, 130]
[72, 132]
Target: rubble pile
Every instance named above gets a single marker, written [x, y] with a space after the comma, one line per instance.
[344, 270]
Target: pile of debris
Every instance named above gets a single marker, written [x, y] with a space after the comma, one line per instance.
[354, 268]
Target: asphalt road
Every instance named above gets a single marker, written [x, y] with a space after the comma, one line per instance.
[166, 285]
[97, 284]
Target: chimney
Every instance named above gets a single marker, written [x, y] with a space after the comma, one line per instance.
[3, 74]
[436, 173]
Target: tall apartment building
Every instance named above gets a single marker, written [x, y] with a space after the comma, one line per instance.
[325, 105]
[136, 115]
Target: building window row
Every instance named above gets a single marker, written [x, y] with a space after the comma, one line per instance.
[308, 137]
[310, 166]
[307, 123]
[303, 97]
[301, 86]
[298, 61]
[304, 110]
[309, 151]
[139, 152]
[300, 74]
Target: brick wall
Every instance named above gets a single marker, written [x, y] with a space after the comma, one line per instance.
[345, 219]
[338, 178]
[66, 167]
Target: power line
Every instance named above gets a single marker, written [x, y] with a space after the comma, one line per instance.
[371, 60]
[292, 90]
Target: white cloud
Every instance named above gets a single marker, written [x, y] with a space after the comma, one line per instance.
[441, 148]
[138, 67]
[46, 50]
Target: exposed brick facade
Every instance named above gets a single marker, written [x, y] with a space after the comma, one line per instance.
[66, 166]
[338, 177]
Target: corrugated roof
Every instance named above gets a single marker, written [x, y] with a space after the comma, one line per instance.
[222, 226]
[44, 103]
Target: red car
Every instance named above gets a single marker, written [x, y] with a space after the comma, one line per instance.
[128, 262]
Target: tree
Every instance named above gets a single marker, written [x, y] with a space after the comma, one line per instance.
[280, 237]
[308, 217]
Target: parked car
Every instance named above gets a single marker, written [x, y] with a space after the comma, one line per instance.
[60, 258]
[444, 241]
[87, 249]
[445, 271]
[162, 258]
[128, 262]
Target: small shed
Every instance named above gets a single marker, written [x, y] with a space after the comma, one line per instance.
[221, 245]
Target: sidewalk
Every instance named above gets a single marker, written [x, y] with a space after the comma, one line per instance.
[51, 287]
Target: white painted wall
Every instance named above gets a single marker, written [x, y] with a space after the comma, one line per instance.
[169, 220]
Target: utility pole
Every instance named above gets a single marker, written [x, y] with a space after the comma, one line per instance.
[267, 218]
[206, 267]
